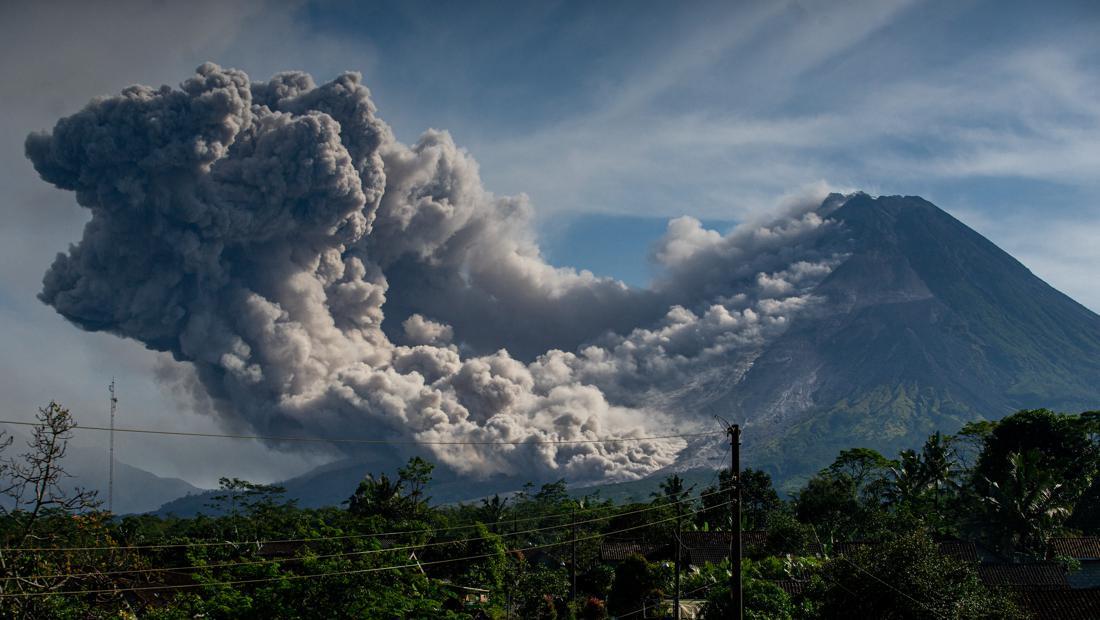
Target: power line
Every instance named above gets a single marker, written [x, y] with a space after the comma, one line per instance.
[380, 442]
[236, 543]
[889, 585]
[878, 579]
[643, 608]
[325, 574]
[709, 585]
[354, 553]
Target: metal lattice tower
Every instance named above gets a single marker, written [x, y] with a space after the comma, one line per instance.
[111, 452]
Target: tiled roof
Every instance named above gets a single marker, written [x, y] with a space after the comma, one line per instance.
[706, 547]
[713, 547]
[618, 550]
[711, 539]
[964, 550]
[1061, 604]
[1030, 576]
[793, 587]
[754, 538]
[750, 538]
[1081, 548]
[850, 547]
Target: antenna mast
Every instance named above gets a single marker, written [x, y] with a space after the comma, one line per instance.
[111, 452]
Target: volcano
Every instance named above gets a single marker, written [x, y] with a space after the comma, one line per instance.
[927, 325]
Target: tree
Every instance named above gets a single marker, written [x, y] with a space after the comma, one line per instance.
[398, 499]
[1034, 468]
[1064, 442]
[32, 481]
[672, 491]
[493, 510]
[488, 569]
[635, 586]
[539, 590]
[940, 467]
[758, 500]
[906, 578]
[415, 477]
[39, 509]
[239, 496]
[1028, 506]
[379, 496]
[863, 465]
[1086, 513]
[925, 483]
[908, 480]
[763, 600]
[828, 504]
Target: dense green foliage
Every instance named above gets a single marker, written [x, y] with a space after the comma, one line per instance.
[389, 552]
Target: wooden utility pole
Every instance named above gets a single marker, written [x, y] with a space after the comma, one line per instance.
[111, 452]
[679, 564]
[734, 432]
[573, 562]
[514, 579]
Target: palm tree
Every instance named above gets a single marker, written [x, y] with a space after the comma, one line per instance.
[908, 484]
[378, 496]
[939, 464]
[931, 471]
[1029, 505]
[673, 492]
[493, 510]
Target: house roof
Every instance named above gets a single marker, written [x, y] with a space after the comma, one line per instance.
[1080, 547]
[1061, 604]
[706, 547]
[964, 550]
[618, 550]
[793, 587]
[749, 538]
[1029, 576]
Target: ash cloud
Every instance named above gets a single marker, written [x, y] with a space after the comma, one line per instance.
[320, 276]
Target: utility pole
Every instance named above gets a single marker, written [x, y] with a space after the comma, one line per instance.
[734, 432]
[573, 563]
[679, 565]
[111, 452]
[515, 579]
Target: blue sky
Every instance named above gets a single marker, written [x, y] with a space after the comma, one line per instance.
[611, 116]
[716, 109]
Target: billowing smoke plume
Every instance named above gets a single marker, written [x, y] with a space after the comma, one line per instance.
[262, 232]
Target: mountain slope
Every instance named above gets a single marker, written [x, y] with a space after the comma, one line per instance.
[928, 325]
[135, 491]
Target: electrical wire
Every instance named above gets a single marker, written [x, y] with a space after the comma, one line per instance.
[324, 574]
[376, 442]
[643, 608]
[241, 543]
[351, 553]
[885, 583]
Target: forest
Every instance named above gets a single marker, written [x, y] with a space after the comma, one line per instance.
[868, 536]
